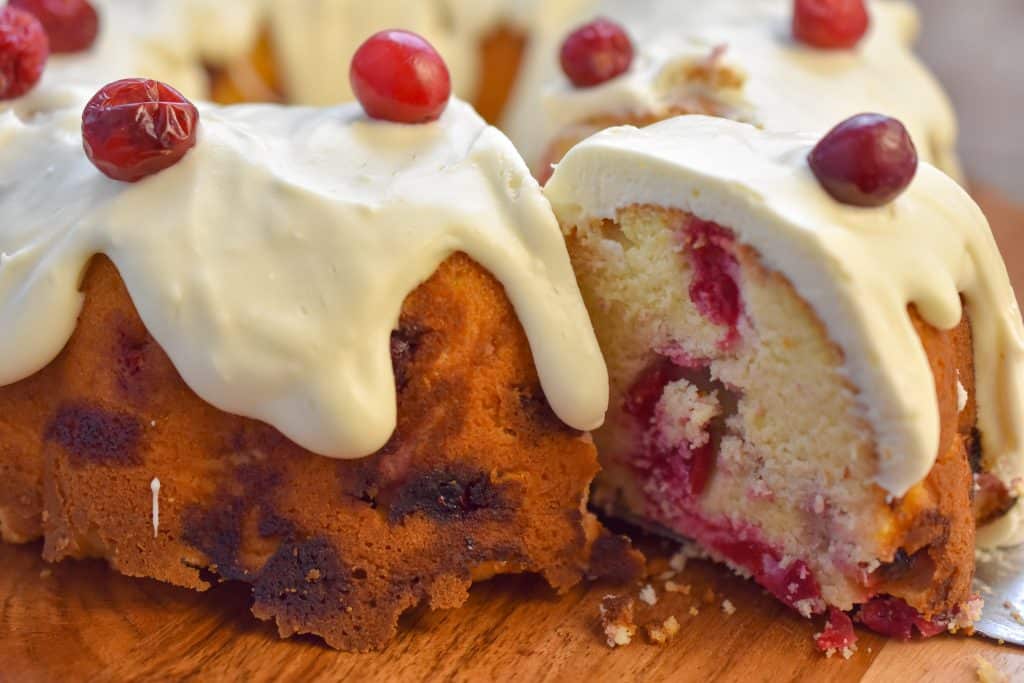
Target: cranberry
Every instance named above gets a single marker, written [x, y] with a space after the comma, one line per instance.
[595, 53]
[894, 618]
[398, 76]
[794, 583]
[838, 633]
[72, 25]
[137, 127]
[23, 52]
[646, 392]
[830, 24]
[867, 160]
[714, 290]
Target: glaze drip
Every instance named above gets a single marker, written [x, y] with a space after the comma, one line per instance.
[272, 262]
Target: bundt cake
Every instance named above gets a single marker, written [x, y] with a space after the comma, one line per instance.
[285, 50]
[742, 59]
[827, 397]
[342, 359]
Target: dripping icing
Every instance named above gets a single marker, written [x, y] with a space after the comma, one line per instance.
[272, 263]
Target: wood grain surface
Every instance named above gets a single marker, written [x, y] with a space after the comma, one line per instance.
[80, 621]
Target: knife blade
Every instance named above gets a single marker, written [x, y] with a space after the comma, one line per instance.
[999, 578]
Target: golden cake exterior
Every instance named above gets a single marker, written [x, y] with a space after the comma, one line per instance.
[476, 481]
[228, 307]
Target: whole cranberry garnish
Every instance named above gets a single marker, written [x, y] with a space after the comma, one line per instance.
[137, 127]
[23, 52]
[596, 52]
[867, 160]
[398, 76]
[830, 24]
[72, 25]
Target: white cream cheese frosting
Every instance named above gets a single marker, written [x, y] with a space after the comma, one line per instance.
[272, 262]
[857, 268]
[170, 41]
[315, 39]
[786, 87]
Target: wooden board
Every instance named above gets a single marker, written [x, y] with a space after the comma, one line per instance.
[80, 621]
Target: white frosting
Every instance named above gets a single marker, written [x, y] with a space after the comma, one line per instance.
[787, 88]
[166, 40]
[315, 39]
[154, 487]
[272, 262]
[858, 268]
[962, 397]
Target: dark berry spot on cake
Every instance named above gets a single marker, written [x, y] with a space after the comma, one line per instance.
[91, 434]
[974, 452]
[613, 558]
[217, 533]
[894, 618]
[535, 405]
[405, 342]
[714, 289]
[448, 495]
[302, 581]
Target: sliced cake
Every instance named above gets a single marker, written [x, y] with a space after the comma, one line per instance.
[820, 381]
[343, 359]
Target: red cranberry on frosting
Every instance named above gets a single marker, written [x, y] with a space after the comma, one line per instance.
[137, 127]
[867, 160]
[596, 52]
[830, 24]
[398, 76]
[72, 25]
[23, 52]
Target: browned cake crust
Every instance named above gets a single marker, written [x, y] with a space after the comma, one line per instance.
[934, 535]
[481, 478]
[501, 56]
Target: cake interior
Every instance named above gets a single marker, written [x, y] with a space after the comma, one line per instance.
[732, 422]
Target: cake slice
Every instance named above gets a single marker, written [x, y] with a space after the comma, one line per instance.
[826, 397]
[341, 359]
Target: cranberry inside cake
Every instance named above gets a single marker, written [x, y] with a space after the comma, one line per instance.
[741, 413]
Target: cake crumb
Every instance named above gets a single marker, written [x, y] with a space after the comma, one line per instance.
[673, 587]
[988, 673]
[728, 607]
[660, 634]
[648, 596]
[617, 620]
[46, 573]
[665, 576]
[709, 597]
[685, 553]
[694, 611]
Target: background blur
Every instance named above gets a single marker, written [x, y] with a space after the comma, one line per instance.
[977, 49]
